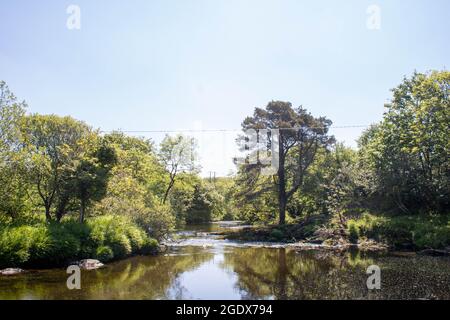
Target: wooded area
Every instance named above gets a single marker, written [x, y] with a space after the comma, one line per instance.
[68, 191]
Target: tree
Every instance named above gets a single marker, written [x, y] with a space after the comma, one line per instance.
[177, 154]
[91, 176]
[201, 209]
[13, 185]
[136, 185]
[299, 137]
[255, 194]
[12, 113]
[223, 195]
[409, 150]
[52, 144]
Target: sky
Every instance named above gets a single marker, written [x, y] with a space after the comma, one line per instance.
[147, 65]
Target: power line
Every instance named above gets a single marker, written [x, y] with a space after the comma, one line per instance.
[224, 130]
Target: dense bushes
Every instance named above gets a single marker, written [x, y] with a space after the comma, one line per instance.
[49, 244]
[403, 232]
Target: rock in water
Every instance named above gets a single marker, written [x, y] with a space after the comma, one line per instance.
[90, 264]
[10, 271]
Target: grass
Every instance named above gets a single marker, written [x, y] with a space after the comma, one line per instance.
[41, 244]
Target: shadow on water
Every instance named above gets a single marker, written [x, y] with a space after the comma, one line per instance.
[240, 272]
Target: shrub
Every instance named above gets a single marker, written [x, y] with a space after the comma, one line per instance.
[104, 253]
[14, 246]
[120, 245]
[419, 231]
[353, 232]
[137, 238]
[276, 234]
[150, 246]
[43, 244]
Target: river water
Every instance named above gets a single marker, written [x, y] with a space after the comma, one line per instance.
[200, 265]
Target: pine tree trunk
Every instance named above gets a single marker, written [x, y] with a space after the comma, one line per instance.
[282, 199]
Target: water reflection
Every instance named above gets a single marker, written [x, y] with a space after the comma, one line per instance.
[134, 278]
[286, 274]
[235, 272]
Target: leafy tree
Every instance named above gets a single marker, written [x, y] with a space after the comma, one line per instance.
[91, 176]
[178, 155]
[300, 136]
[52, 144]
[12, 113]
[201, 209]
[13, 185]
[223, 194]
[409, 150]
[256, 194]
[137, 185]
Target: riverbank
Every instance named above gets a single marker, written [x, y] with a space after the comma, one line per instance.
[200, 264]
[38, 244]
[426, 234]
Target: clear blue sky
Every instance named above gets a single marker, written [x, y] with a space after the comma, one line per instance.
[156, 65]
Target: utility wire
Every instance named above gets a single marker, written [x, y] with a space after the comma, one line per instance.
[225, 130]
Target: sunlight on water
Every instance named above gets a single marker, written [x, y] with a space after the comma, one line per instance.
[202, 266]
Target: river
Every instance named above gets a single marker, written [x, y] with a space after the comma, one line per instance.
[200, 265]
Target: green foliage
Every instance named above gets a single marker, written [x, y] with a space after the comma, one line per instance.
[132, 192]
[150, 246]
[13, 184]
[276, 234]
[178, 155]
[300, 137]
[52, 147]
[104, 253]
[136, 186]
[353, 232]
[408, 151]
[418, 231]
[201, 207]
[49, 244]
[223, 197]
[15, 245]
[92, 174]
[116, 232]
[12, 113]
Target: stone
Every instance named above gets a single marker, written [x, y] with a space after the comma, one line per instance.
[10, 271]
[90, 264]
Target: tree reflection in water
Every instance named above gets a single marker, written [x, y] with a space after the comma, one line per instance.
[134, 278]
[286, 274]
[230, 272]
